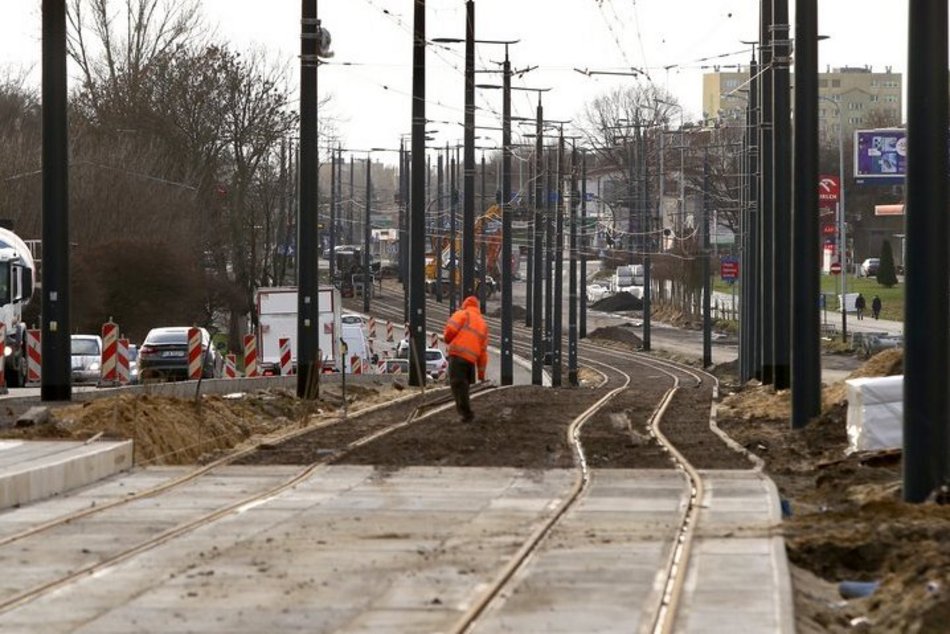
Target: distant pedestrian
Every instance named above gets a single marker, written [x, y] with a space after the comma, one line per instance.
[859, 305]
[876, 307]
[467, 337]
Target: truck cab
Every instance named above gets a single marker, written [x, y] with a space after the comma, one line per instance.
[17, 278]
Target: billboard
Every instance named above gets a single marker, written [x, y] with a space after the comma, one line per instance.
[880, 155]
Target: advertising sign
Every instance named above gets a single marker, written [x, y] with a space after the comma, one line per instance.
[829, 189]
[880, 155]
[729, 269]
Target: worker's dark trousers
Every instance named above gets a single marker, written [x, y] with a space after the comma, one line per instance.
[461, 376]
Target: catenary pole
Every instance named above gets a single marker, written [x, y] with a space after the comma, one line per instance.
[806, 283]
[483, 252]
[782, 194]
[558, 326]
[926, 398]
[453, 234]
[507, 352]
[437, 229]
[331, 223]
[582, 326]
[417, 220]
[529, 279]
[307, 240]
[766, 206]
[367, 285]
[468, 219]
[753, 269]
[707, 312]
[647, 240]
[537, 328]
[572, 280]
[55, 341]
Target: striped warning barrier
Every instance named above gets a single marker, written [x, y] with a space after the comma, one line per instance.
[407, 330]
[34, 356]
[389, 331]
[230, 366]
[110, 346]
[371, 327]
[365, 366]
[356, 366]
[433, 340]
[123, 374]
[194, 354]
[3, 378]
[250, 356]
[286, 368]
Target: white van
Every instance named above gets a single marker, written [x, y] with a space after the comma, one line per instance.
[356, 344]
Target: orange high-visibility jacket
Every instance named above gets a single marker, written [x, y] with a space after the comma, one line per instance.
[467, 335]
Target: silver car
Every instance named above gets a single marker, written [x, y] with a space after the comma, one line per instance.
[86, 354]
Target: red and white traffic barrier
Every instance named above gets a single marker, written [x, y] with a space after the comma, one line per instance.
[250, 355]
[371, 327]
[108, 375]
[194, 354]
[3, 378]
[407, 330]
[356, 365]
[34, 356]
[123, 372]
[433, 340]
[286, 368]
[389, 331]
[230, 366]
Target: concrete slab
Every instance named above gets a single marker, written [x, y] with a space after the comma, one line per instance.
[34, 470]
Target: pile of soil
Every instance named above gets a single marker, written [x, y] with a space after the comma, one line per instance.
[619, 302]
[614, 335]
[174, 431]
[848, 521]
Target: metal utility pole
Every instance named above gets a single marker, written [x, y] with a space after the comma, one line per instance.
[338, 201]
[647, 241]
[483, 262]
[558, 268]
[529, 280]
[331, 224]
[417, 229]
[537, 252]
[307, 240]
[766, 206]
[806, 284]
[631, 198]
[507, 358]
[403, 243]
[926, 398]
[707, 312]
[437, 233]
[782, 194]
[453, 235]
[468, 213]
[572, 281]
[351, 217]
[57, 368]
[550, 177]
[367, 285]
[583, 318]
[749, 268]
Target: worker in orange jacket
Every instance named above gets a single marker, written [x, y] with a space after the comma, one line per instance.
[467, 337]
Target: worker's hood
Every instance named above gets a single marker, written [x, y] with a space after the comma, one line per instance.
[470, 301]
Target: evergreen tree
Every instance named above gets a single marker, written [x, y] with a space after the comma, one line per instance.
[886, 272]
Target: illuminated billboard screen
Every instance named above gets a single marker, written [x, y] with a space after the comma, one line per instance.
[880, 154]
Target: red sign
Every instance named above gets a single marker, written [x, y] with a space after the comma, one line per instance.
[829, 189]
[729, 269]
[829, 230]
[836, 268]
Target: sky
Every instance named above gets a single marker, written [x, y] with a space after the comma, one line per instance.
[369, 80]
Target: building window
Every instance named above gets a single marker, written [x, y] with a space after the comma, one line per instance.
[822, 83]
[874, 98]
[836, 83]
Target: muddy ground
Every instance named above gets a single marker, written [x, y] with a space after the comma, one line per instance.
[847, 521]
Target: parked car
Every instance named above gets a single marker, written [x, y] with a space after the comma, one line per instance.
[869, 267]
[353, 318]
[436, 363]
[86, 354]
[164, 355]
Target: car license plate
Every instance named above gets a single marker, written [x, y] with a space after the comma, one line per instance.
[173, 353]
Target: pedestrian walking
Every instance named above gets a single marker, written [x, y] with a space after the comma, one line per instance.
[876, 307]
[859, 305]
[467, 337]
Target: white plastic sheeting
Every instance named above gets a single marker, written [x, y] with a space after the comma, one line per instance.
[875, 413]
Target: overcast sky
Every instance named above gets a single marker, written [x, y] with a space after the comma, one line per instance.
[676, 41]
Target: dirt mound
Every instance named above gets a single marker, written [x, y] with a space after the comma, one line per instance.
[622, 335]
[171, 431]
[847, 521]
[618, 302]
[885, 363]
[517, 312]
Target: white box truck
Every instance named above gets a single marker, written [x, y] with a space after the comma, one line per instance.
[277, 319]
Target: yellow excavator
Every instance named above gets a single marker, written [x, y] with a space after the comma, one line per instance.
[487, 238]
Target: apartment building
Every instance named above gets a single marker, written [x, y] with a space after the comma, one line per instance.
[866, 98]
